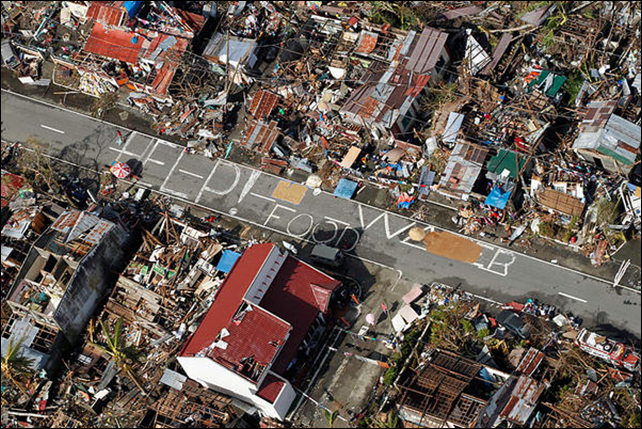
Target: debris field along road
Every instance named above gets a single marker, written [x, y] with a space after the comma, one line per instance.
[259, 198]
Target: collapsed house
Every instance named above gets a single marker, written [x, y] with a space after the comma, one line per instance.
[387, 98]
[447, 391]
[62, 280]
[606, 139]
[266, 317]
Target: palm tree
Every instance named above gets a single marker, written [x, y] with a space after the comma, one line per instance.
[124, 356]
[15, 366]
[330, 417]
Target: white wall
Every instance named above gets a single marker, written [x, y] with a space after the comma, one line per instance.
[265, 276]
[216, 377]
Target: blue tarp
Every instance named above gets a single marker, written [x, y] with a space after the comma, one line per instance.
[131, 7]
[345, 189]
[498, 198]
[227, 261]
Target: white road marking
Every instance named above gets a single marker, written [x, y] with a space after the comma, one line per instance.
[189, 173]
[533, 258]
[171, 171]
[152, 151]
[573, 297]
[148, 185]
[204, 187]
[249, 184]
[122, 152]
[272, 200]
[52, 129]
[155, 161]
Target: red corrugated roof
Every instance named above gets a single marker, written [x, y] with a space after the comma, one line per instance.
[253, 333]
[106, 12]
[11, 184]
[114, 43]
[293, 301]
[263, 103]
[292, 298]
[228, 298]
[271, 388]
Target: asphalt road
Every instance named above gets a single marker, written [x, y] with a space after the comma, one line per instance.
[262, 199]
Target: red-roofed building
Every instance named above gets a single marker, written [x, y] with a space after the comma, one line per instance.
[114, 43]
[269, 310]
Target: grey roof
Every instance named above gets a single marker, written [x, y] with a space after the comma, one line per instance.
[637, 82]
[464, 165]
[382, 101]
[455, 120]
[609, 134]
[462, 11]
[239, 48]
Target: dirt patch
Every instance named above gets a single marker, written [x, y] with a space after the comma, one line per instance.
[452, 246]
[290, 192]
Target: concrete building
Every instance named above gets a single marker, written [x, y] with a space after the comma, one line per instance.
[60, 283]
[267, 316]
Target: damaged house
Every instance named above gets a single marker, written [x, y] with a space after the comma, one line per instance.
[387, 98]
[447, 391]
[606, 139]
[61, 282]
[266, 317]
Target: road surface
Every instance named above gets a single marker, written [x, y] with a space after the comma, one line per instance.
[262, 199]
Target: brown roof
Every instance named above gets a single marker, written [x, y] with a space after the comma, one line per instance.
[261, 136]
[263, 103]
[561, 202]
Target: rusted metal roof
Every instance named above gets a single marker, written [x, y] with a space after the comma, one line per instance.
[523, 401]
[263, 103]
[530, 362]
[367, 42]
[261, 136]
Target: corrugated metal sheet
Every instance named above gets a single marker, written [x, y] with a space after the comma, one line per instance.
[263, 103]
[99, 231]
[462, 11]
[530, 362]
[108, 13]
[455, 120]
[499, 52]
[426, 52]
[523, 401]
[114, 43]
[367, 42]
